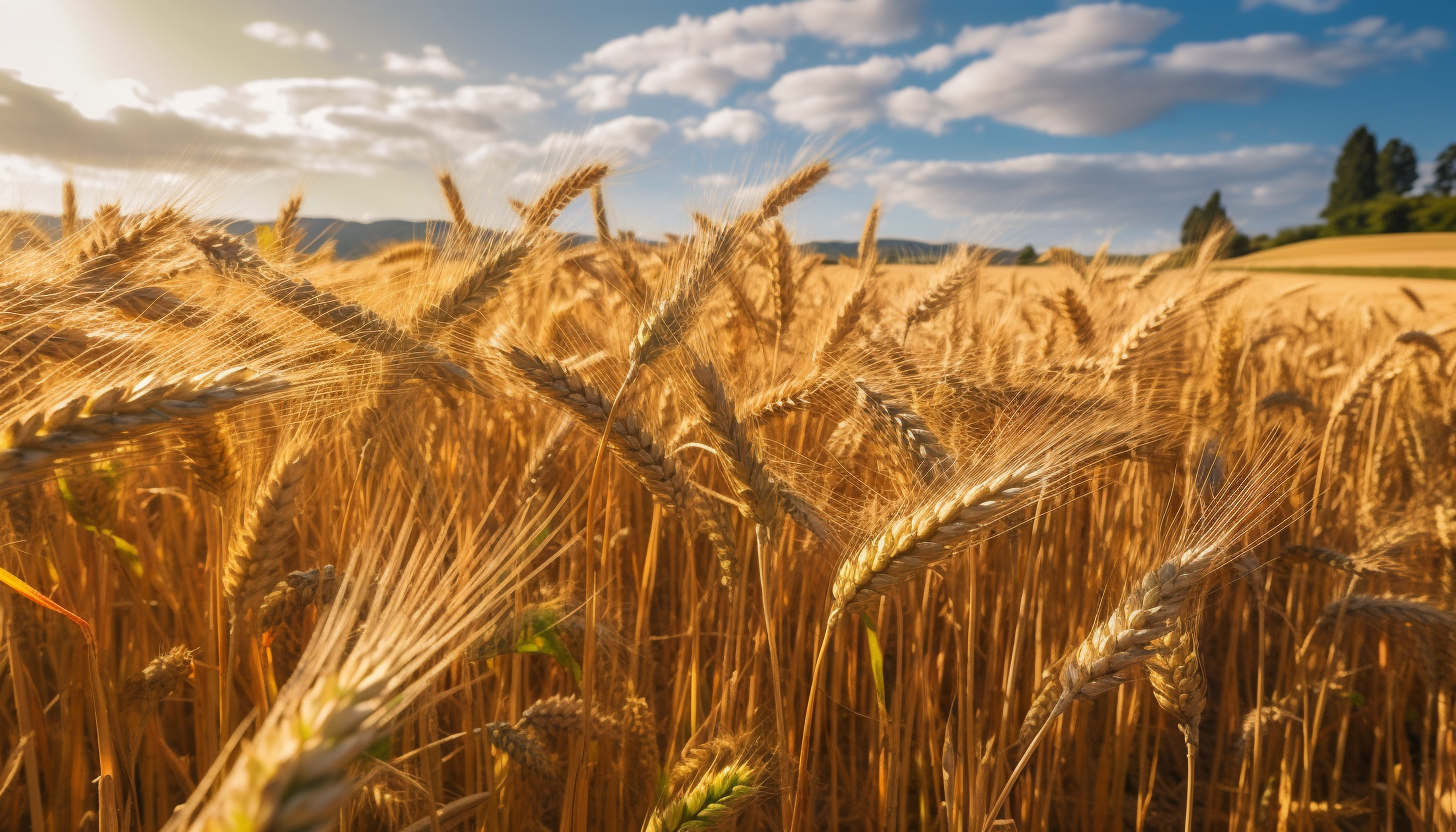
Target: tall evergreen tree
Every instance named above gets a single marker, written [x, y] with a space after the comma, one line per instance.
[1445, 180]
[1202, 219]
[1395, 170]
[1354, 180]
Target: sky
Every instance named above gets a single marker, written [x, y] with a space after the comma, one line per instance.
[998, 122]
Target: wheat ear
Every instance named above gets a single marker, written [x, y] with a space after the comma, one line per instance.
[1176, 675]
[751, 482]
[209, 454]
[349, 321]
[599, 214]
[664, 327]
[524, 749]
[1150, 269]
[559, 716]
[958, 274]
[70, 217]
[1070, 304]
[159, 679]
[1357, 389]
[1135, 340]
[1403, 616]
[1146, 613]
[406, 252]
[627, 438]
[911, 543]
[900, 423]
[711, 800]
[460, 225]
[783, 399]
[489, 276]
[96, 420]
[286, 228]
[288, 598]
[785, 284]
[257, 549]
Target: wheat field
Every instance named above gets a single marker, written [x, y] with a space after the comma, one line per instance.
[521, 530]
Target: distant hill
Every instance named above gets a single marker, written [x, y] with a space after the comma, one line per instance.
[354, 240]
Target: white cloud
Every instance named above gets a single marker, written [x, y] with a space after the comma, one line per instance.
[828, 97]
[1084, 71]
[617, 140]
[704, 58]
[432, 61]
[742, 126]
[341, 124]
[1287, 57]
[1265, 186]
[1304, 6]
[626, 135]
[287, 37]
[603, 91]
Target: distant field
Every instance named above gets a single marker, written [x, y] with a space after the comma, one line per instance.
[1365, 254]
[1425, 272]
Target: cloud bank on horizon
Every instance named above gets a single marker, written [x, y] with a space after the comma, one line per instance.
[1067, 125]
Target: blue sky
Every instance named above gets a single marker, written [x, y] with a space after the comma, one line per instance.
[999, 122]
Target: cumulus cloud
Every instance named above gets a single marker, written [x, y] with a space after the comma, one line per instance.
[620, 139]
[1083, 71]
[827, 97]
[36, 122]
[432, 61]
[742, 126]
[342, 124]
[1265, 185]
[603, 91]
[287, 37]
[704, 58]
[1304, 6]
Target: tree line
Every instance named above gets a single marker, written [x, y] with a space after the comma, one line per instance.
[1370, 193]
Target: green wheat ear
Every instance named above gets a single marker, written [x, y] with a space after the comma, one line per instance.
[709, 802]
